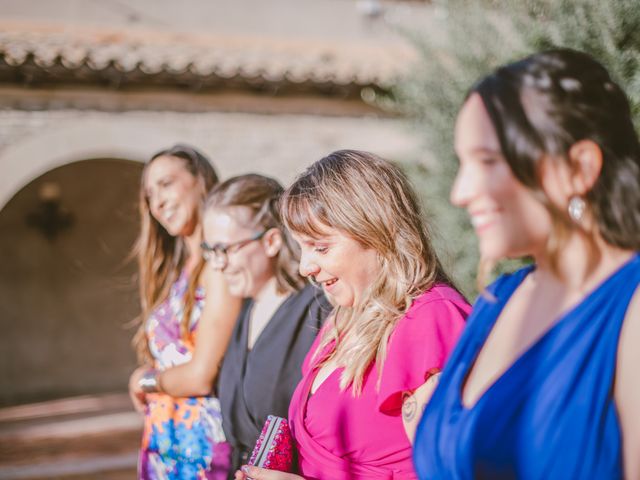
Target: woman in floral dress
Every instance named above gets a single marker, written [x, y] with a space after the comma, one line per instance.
[182, 338]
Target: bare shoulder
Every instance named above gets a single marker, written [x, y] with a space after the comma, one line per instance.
[630, 334]
[628, 351]
[627, 388]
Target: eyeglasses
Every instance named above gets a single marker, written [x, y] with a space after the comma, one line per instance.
[220, 251]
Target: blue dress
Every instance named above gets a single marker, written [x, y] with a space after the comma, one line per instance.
[552, 414]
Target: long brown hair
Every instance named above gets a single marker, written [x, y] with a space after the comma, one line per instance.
[260, 195]
[160, 255]
[371, 200]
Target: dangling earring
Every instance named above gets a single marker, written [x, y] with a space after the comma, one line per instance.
[576, 208]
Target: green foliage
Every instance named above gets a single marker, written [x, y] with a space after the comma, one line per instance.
[468, 40]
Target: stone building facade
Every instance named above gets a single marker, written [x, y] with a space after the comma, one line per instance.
[81, 108]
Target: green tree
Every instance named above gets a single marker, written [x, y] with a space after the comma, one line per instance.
[473, 37]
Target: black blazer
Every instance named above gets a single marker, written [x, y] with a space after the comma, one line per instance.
[254, 384]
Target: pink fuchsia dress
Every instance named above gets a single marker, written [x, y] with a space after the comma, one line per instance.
[183, 437]
[342, 437]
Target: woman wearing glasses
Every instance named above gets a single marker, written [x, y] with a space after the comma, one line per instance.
[282, 313]
[181, 339]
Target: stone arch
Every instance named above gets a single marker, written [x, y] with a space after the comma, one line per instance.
[66, 298]
[29, 158]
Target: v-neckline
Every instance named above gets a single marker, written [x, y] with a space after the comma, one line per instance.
[326, 379]
[315, 369]
[245, 335]
[499, 306]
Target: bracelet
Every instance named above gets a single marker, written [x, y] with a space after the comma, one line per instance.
[149, 383]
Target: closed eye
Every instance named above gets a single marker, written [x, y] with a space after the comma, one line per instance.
[488, 161]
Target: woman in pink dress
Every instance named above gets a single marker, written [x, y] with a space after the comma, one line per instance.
[396, 319]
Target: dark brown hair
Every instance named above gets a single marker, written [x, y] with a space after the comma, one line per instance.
[544, 104]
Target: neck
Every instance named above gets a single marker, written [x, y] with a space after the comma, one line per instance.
[582, 263]
[192, 243]
[268, 291]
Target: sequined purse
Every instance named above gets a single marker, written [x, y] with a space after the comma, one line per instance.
[274, 448]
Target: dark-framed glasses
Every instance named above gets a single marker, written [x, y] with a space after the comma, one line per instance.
[219, 252]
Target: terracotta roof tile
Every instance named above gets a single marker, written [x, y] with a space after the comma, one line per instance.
[54, 54]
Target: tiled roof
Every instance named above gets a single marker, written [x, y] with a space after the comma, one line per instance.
[117, 58]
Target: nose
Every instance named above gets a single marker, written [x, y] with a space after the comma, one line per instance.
[463, 188]
[156, 201]
[308, 267]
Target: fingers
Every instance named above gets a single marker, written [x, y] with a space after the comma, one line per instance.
[255, 473]
[138, 402]
[139, 406]
[138, 397]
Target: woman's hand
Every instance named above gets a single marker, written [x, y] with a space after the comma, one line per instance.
[138, 397]
[257, 473]
[219, 313]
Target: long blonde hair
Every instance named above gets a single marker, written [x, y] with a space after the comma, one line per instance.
[160, 255]
[370, 200]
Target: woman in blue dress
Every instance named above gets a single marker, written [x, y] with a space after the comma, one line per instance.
[543, 383]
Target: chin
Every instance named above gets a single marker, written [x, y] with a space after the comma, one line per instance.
[492, 253]
[340, 302]
[173, 230]
[237, 291]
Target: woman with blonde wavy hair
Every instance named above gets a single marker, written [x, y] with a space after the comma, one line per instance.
[182, 338]
[396, 318]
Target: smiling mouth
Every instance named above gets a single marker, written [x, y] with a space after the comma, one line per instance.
[480, 221]
[169, 214]
[329, 283]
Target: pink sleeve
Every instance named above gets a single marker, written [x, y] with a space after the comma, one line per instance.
[419, 347]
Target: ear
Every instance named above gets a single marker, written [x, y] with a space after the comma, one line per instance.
[585, 159]
[272, 241]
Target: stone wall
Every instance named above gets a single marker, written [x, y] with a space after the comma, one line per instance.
[64, 303]
[33, 142]
[66, 298]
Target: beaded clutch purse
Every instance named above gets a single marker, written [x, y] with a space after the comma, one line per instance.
[274, 448]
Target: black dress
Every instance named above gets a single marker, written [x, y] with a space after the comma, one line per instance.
[259, 382]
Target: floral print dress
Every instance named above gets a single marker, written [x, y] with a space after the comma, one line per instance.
[183, 437]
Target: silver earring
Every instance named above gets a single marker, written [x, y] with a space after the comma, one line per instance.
[576, 208]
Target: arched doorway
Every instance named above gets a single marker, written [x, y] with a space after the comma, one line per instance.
[66, 291]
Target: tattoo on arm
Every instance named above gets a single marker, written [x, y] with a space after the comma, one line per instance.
[409, 407]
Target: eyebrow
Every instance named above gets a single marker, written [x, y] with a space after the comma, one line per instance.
[484, 151]
[163, 178]
[478, 151]
[310, 239]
